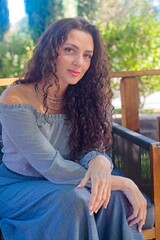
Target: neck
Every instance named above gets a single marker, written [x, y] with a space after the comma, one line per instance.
[50, 98]
[53, 90]
[53, 102]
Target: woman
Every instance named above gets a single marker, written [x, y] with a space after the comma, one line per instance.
[56, 180]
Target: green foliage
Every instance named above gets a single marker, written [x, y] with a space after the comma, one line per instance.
[15, 51]
[41, 15]
[145, 167]
[133, 44]
[4, 18]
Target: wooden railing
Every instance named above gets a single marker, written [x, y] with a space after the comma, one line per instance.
[6, 81]
[130, 96]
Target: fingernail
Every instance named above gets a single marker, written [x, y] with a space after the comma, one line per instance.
[96, 211]
[140, 230]
[79, 185]
[91, 213]
[90, 208]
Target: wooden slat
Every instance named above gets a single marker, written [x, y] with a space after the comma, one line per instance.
[134, 73]
[7, 81]
[149, 234]
[130, 103]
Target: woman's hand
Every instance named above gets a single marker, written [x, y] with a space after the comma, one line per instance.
[99, 172]
[138, 203]
[135, 198]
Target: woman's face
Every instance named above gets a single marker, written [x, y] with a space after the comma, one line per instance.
[74, 57]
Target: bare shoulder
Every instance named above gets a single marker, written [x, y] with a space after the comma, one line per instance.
[15, 94]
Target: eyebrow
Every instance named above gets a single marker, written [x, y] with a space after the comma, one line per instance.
[77, 47]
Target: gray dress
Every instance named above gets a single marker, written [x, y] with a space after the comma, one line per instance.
[38, 195]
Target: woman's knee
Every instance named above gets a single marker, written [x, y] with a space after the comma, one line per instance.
[80, 196]
[120, 205]
[76, 203]
[119, 200]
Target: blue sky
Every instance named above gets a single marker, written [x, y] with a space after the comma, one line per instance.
[16, 10]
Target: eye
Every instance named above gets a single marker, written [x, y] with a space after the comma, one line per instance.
[88, 56]
[69, 50]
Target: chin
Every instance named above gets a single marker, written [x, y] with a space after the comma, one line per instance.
[74, 82]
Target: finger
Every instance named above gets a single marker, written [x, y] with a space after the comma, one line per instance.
[107, 197]
[137, 219]
[107, 200]
[134, 215]
[140, 219]
[140, 225]
[84, 180]
[94, 191]
[99, 206]
[100, 197]
[142, 222]
[139, 212]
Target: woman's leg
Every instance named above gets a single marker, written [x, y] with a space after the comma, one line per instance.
[112, 222]
[38, 210]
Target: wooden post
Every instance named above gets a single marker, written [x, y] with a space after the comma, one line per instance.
[130, 103]
[155, 165]
[158, 129]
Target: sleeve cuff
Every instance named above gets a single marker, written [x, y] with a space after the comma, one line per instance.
[91, 155]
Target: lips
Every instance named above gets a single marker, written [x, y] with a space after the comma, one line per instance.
[73, 72]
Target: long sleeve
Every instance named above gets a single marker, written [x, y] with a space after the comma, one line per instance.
[21, 127]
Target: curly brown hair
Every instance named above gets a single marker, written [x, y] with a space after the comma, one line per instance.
[87, 105]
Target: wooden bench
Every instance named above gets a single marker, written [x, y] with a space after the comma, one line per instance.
[139, 158]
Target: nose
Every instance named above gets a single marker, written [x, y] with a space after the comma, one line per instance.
[78, 60]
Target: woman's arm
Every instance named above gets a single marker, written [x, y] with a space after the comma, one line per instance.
[135, 198]
[21, 127]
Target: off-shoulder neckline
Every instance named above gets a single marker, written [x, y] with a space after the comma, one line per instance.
[31, 107]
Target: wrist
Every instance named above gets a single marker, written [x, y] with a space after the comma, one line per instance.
[128, 185]
[101, 159]
[122, 183]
